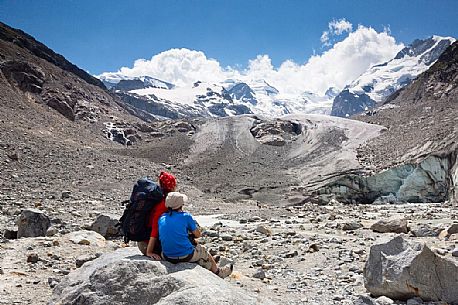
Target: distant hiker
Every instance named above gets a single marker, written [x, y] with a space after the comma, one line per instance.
[174, 227]
[152, 247]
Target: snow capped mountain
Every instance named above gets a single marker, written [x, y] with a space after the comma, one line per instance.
[256, 96]
[231, 97]
[380, 81]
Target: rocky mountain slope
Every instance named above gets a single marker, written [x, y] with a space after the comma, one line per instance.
[374, 86]
[421, 137]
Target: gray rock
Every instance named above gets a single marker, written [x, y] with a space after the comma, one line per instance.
[365, 300]
[401, 270]
[10, 234]
[32, 223]
[390, 226]
[66, 194]
[126, 277]
[226, 237]
[259, 274]
[51, 231]
[453, 229]
[105, 225]
[85, 237]
[455, 252]
[425, 230]
[264, 229]
[32, 258]
[383, 300]
[351, 226]
[81, 260]
[414, 301]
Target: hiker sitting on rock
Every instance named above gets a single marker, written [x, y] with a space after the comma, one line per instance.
[152, 248]
[173, 234]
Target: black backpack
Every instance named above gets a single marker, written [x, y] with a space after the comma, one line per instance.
[134, 221]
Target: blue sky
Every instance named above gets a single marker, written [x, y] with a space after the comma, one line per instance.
[106, 35]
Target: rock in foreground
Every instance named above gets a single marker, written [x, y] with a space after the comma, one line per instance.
[401, 270]
[125, 277]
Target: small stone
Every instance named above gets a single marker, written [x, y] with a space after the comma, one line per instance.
[455, 252]
[351, 226]
[383, 300]
[313, 248]
[226, 237]
[84, 237]
[1, 271]
[211, 233]
[51, 231]
[32, 258]
[10, 234]
[52, 282]
[264, 229]
[414, 301]
[254, 219]
[66, 194]
[80, 260]
[260, 274]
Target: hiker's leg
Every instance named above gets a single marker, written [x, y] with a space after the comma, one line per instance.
[202, 257]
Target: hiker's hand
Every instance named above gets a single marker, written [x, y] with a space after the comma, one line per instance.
[155, 256]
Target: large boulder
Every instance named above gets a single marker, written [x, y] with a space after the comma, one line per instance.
[401, 270]
[32, 223]
[390, 226]
[126, 277]
[106, 225]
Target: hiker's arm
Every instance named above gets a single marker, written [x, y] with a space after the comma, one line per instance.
[150, 249]
[197, 233]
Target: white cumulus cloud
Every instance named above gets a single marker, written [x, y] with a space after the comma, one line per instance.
[178, 66]
[335, 28]
[335, 67]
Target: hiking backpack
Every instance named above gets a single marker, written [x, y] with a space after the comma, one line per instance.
[134, 221]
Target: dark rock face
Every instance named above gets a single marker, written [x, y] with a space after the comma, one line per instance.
[243, 92]
[26, 76]
[420, 46]
[348, 103]
[26, 41]
[276, 133]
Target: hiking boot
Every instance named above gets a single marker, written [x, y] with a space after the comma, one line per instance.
[225, 271]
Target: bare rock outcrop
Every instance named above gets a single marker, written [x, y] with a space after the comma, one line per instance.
[401, 270]
[125, 277]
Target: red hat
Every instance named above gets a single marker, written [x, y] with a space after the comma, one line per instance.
[167, 181]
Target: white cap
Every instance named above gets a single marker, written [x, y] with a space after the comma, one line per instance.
[175, 200]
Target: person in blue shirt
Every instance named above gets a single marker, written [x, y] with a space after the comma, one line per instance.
[174, 228]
